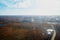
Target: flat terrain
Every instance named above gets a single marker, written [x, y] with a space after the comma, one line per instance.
[15, 29]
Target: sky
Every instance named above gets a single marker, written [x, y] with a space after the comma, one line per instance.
[29, 7]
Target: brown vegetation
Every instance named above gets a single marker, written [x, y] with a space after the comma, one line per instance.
[9, 32]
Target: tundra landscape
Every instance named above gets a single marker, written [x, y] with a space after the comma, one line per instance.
[29, 27]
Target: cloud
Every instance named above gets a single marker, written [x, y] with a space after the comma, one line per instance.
[16, 3]
[39, 7]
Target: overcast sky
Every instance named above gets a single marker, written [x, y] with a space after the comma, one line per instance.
[29, 7]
